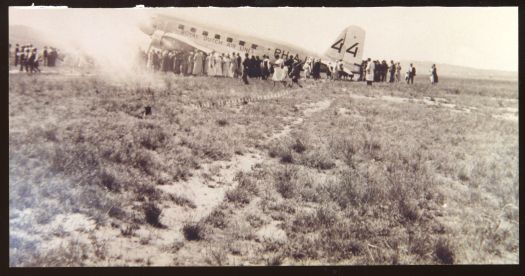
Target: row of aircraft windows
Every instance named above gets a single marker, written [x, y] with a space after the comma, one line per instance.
[217, 36]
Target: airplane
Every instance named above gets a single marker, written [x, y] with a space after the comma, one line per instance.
[172, 33]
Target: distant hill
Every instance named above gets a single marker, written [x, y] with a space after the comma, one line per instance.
[455, 71]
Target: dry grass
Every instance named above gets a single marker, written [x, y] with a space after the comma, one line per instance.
[381, 183]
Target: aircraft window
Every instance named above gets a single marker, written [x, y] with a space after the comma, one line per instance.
[254, 46]
[217, 36]
[205, 33]
[229, 39]
[241, 42]
[181, 27]
[193, 30]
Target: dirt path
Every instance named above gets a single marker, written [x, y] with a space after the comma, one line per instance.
[206, 189]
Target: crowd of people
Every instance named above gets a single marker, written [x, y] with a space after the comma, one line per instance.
[29, 57]
[376, 71]
[236, 65]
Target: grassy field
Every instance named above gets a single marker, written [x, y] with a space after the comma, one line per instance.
[333, 173]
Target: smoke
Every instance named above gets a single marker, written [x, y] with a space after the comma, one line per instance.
[111, 38]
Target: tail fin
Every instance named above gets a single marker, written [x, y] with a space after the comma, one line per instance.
[348, 46]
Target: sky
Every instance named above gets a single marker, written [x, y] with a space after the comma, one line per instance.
[479, 37]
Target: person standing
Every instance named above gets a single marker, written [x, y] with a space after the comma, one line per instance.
[28, 62]
[165, 61]
[197, 64]
[22, 59]
[233, 66]
[392, 71]
[433, 74]
[225, 65]
[411, 74]
[210, 61]
[218, 65]
[316, 69]
[280, 72]
[17, 54]
[296, 74]
[245, 67]
[183, 68]
[176, 62]
[398, 72]
[206, 65]
[35, 62]
[370, 72]
[191, 63]
[45, 55]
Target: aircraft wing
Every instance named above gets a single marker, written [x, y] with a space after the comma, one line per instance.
[188, 41]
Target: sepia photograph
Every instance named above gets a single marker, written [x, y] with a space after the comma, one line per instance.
[249, 136]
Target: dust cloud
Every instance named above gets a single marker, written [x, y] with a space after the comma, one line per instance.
[109, 38]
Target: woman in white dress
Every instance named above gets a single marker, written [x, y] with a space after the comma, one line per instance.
[279, 72]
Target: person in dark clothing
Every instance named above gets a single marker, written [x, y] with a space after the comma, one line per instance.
[295, 74]
[245, 67]
[316, 69]
[52, 57]
[433, 74]
[164, 62]
[257, 69]
[22, 59]
[17, 54]
[377, 71]
[28, 63]
[251, 67]
[411, 74]
[392, 71]
[177, 62]
[239, 64]
[289, 63]
[33, 61]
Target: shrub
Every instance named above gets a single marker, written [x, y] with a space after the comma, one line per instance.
[444, 251]
[408, 209]
[152, 214]
[298, 147]
[193, 231]
[284, 182]
[245, 189]
[222, 122]
[287, 157]
[182, 201]
[217, 219]
[238, 196]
